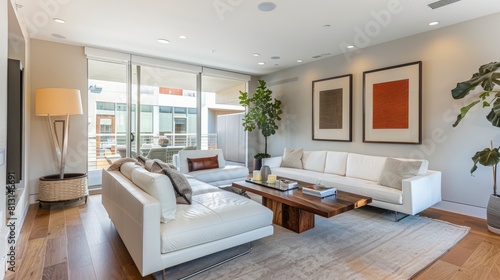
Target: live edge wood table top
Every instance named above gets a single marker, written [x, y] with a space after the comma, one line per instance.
[295, 211]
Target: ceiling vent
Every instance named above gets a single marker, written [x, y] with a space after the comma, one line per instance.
[441, 3]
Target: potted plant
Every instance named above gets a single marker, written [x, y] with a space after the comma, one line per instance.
[262, 114]
[487, 78]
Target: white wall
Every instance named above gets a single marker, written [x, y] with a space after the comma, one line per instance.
[449, 55]
[56, 65]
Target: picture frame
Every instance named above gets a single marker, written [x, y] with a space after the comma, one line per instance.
[332, 109]
[392, 104]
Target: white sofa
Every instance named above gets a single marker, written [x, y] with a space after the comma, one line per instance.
[135, 199]
[360, 174]
[224, 175]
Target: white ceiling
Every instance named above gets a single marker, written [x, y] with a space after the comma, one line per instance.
[225, 34]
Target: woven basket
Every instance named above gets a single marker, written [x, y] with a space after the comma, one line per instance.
[74, 185]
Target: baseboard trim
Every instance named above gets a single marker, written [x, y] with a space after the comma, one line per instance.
[463, 209]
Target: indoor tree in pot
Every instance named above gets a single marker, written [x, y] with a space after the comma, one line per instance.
[487, 78]
[262, 114]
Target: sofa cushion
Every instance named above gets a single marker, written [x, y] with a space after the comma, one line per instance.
[314, 161]
[292, 158]
[307, 176]
[159, 187]
[396, 170]
[364, 167]
[336, 163]
[115, 166]
[214, 215]
[364, 187]
[195, 164]
[127, 168]
[229, 172]
[183, 191]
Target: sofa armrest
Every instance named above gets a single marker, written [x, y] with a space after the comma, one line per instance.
[136, 216]
[422, 191]
[272, 161]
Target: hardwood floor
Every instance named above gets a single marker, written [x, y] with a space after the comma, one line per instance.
[78, 241]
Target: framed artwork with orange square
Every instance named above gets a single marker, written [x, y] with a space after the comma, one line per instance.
[392, 104]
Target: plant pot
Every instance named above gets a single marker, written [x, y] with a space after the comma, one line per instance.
[493, 214]
[257, 163]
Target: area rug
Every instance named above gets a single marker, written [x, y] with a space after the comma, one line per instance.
[363, 243]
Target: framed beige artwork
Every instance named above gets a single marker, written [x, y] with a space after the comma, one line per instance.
[332, 108]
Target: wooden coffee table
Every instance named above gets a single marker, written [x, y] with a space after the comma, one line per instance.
[295, 211]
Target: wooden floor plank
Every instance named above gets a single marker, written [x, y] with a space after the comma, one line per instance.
[439, 270]
[56, 251]
[105, 262]
[82, 273]
[480, 263]
[32, 263]
[41, 224]
[56, 272]
[78, 248]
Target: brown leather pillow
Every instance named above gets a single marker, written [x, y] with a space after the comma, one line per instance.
[203, 163]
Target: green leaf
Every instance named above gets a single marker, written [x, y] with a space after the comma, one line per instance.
[462, 90]
[486, 157]
[494, 115]
[484, 95]
[486, 104]
[463, 112]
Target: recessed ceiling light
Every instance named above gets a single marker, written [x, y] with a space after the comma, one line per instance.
[434, 23]
[261, 63]
[326, 26]
[256, 54]
[58, 20]
[182, 37]
[59, 36]
[275, 57]
[266, 6]
[350, 46]
[163, 41]
[299, 60]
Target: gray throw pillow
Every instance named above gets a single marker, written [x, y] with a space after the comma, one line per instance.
[396, 170]
[181, 185]
[292, 158]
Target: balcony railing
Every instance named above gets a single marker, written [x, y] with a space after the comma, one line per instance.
[103, 148]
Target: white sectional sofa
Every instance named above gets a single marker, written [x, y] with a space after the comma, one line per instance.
[136, 200]
[223, 175]
[362, 174]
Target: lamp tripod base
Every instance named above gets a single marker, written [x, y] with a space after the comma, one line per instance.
[54, 189]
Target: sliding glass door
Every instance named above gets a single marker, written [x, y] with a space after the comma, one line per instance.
[167, 119]
[146, 107]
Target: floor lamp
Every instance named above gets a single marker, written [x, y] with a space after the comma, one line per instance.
[51, 102]
[59, 102]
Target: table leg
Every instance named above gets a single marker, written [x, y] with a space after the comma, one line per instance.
[289, 217]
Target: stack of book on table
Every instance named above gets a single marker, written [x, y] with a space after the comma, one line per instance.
[319, 190]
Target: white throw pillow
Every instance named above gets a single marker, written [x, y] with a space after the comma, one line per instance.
[396, 170]
[160, 187]
[314, 161]
[292, 158]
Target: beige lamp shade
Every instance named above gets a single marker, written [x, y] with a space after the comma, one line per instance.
[58, 102]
